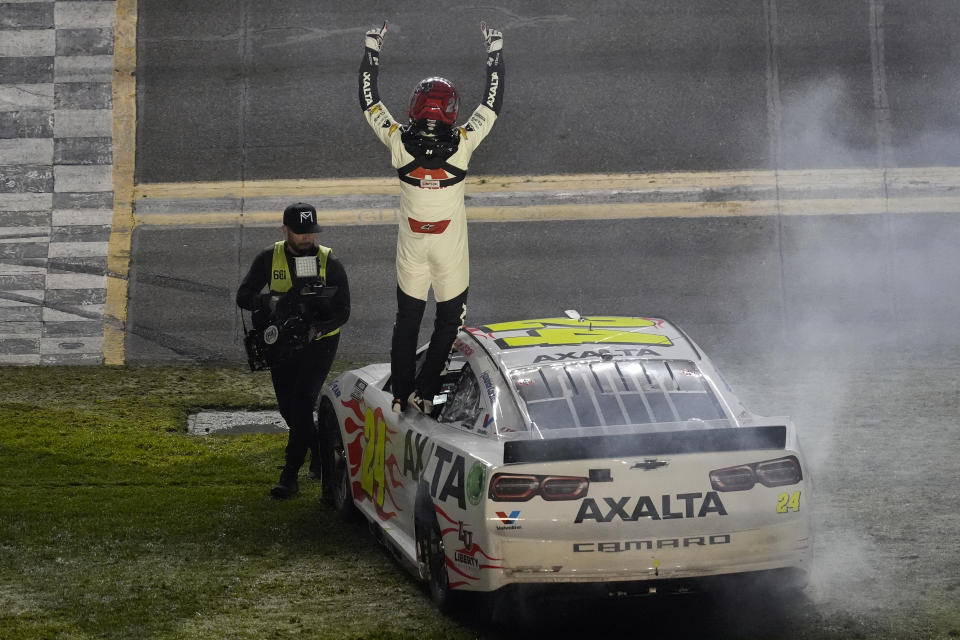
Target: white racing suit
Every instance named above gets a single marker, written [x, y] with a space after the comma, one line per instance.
[432, 249]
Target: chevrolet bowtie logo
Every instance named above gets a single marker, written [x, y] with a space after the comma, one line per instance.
[650, 464]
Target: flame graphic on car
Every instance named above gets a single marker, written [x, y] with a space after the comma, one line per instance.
[372, 474]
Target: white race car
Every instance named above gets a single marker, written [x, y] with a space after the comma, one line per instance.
[603, 450]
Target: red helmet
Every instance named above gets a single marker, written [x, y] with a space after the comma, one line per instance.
[434, 99]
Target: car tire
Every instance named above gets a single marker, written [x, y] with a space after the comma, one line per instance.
[337, 488]
[431, 549]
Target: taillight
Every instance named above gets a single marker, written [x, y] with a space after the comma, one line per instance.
[733, 478]
[513, 488]
[770, 473]
[563, 487]
[776, 473]
[508, 487]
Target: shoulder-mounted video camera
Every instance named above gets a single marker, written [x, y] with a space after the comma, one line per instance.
[287, 322]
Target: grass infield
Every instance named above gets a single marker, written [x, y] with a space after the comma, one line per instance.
[115, 523]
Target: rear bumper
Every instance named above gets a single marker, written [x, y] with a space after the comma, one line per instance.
[528, 561]
[766, 582]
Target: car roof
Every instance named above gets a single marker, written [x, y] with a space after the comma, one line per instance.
[522, 343]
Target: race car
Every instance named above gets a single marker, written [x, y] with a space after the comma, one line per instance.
[599, 450]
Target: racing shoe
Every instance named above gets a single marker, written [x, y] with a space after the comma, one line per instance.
[286, 487]
[423, 406]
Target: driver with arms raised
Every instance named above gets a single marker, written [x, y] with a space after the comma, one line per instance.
[431, 156]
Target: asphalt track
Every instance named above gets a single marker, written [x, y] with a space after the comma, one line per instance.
[730, 163]
[245, 90]
[778, 178]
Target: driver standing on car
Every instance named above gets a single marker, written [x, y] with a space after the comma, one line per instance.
[431, 156]
[299, 371]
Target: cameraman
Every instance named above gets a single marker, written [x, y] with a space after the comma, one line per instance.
[305, 321]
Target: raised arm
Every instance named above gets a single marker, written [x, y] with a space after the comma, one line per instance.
[483, 117]
[370, 66]
[374, 111]
[493, 40]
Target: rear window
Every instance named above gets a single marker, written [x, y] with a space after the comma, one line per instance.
[622, 392]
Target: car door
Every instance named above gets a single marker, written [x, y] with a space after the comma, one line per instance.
[410, 440]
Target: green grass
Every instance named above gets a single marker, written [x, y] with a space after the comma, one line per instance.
[115, 523]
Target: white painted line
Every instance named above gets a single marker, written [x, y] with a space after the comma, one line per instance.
[82, 123]
[28, 43]
[76, 281]
[29, 358]
[69, 217]
[77, 249]
[10, 269]
[52, 315]
[71, 345]
[25, 201]
[84, 15]
[26, 151]
[18, 240]
[32, 294]
[23, 233]
[69, 178]
[26, 97]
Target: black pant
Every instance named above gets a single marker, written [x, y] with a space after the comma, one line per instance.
[403, 351]
[297, 381]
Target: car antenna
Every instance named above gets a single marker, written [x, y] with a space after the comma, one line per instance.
[573, 314]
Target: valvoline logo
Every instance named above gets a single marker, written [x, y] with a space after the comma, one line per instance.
[510, 518]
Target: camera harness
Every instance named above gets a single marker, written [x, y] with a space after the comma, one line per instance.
[258, 343]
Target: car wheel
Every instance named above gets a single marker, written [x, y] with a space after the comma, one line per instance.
[336, 475]
[430, 546]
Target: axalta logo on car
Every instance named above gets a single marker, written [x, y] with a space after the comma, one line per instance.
[620, 508]
[607, 353]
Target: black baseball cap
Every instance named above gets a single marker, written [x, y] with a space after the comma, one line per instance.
[301, 218]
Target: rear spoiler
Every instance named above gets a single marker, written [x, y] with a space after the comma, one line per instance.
[645, 444]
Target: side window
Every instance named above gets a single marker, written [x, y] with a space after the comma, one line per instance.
[463, 404]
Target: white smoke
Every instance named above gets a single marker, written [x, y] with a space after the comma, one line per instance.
[817, 121]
